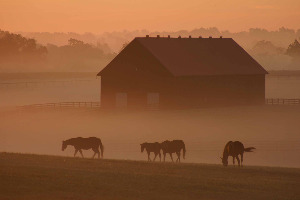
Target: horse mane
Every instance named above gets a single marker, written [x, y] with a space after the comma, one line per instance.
[72, 139]
[225, 152]
[144, 144]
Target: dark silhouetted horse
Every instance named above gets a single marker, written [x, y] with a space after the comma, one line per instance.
[234, 149]
[151, 147]
[80, 143]
[174, 146]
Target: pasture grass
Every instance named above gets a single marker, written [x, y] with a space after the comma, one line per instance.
[27, 176]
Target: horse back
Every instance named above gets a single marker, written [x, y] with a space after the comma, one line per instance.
[234, 148]
[86, 143]
[178, 142]
[153, 147]
[172, 146]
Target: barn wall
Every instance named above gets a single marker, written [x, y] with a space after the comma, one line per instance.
[135, 88]
[187, 92]
[218, 90]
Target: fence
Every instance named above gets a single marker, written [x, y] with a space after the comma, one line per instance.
[96, 104]
[61, 105]
[283, 101]
[29, 84]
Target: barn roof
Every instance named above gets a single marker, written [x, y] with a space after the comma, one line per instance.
[201, 56]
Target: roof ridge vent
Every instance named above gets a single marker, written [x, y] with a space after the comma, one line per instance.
[210, 37]
[147, 36]
[157, 36]
[179, 36]
[200, 36]
[221, 37]
[169, 36]
[190, 36]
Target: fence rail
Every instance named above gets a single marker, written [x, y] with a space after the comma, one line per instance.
[96, 104]
[278, 101]
[28, 84]
[61, 105]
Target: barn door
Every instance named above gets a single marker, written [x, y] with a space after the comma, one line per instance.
[153, 100]
[121, 100]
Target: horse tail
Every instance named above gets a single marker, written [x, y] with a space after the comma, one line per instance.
[101, 148]
[249, 149]
[183, 148]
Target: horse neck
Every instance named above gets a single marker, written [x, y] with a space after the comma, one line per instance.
[69, 142]
[226, 149]
[225, 152]
[144, 147]
[225, 155]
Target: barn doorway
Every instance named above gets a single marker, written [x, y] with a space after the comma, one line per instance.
[153, 99]
[121, 100]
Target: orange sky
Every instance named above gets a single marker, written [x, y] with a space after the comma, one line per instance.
[155, 15]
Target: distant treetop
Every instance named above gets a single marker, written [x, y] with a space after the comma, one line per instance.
[294, 49]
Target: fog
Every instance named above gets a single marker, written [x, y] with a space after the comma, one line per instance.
[18, 89]
[273, 130]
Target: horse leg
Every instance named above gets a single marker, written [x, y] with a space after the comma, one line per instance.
[81, 153]
[75, 152]
[96, 151]
[149, 159]
[164, 157]
[179, 156]
[159, 156]
[154, 156]
[237, 157]
[242, 158]
[171, 157]
[233, 160]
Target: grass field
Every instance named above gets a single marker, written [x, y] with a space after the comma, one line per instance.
[24, 176]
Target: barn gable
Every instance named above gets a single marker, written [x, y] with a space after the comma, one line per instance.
[134, 59]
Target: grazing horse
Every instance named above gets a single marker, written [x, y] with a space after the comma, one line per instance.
[234, 149]
[80, 143]
[151, 147]
[174, 146]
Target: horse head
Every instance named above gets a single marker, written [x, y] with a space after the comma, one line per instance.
[64, 145]
[143, 146]
[224, 161]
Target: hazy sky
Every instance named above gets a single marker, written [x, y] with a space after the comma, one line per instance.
[114, 15]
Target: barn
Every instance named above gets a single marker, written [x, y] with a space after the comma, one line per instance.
[172, 73]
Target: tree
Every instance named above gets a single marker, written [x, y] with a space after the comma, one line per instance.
[15, 46]
[266, 48]
[294, 49]
[74, 42]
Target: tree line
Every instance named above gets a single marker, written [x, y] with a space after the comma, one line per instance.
[88, 52]
[21, 54]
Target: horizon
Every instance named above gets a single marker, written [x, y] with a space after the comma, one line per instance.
[99, 17]
[156, 31]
